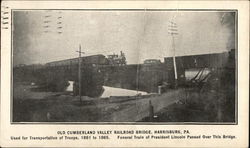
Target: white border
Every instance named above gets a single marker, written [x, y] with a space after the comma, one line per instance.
[240, 130]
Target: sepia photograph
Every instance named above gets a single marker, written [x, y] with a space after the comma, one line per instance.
[124, 66]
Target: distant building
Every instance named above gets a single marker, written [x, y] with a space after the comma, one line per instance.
[152, 61]
[20, 65]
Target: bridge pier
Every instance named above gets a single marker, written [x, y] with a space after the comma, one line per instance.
[91, 90]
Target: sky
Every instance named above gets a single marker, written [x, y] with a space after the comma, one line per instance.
[139, 34]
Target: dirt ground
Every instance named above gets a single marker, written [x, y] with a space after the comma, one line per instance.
[179, 105]
[35, 106]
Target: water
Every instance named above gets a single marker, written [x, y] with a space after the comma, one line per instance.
[70, 87]
[112, 91]
[191, 73]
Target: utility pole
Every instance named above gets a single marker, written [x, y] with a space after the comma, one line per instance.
[172, 30]
[80, 73]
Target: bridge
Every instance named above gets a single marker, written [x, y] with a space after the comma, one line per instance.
[143, 77]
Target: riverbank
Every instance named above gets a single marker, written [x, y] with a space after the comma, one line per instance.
[176, 105]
